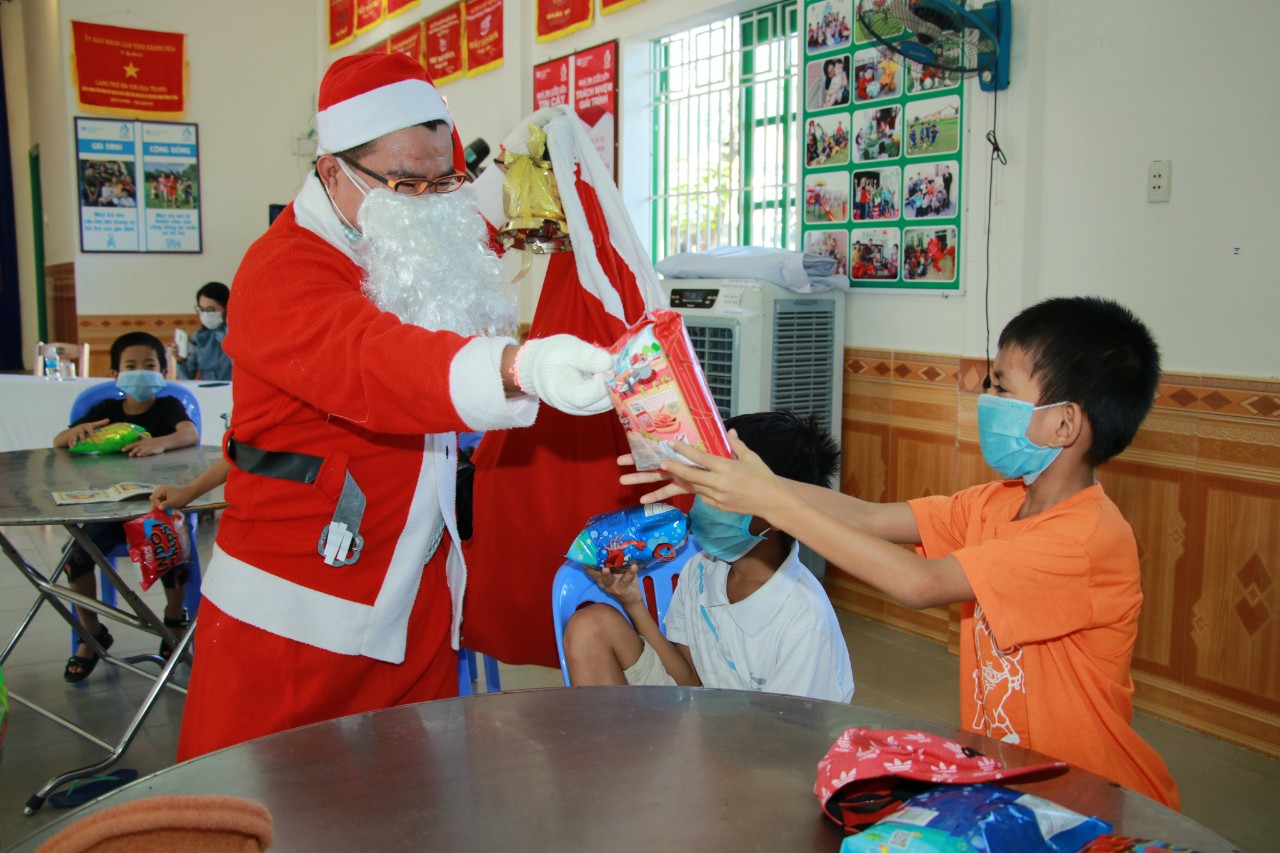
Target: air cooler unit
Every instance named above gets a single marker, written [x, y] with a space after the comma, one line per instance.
[763, 347]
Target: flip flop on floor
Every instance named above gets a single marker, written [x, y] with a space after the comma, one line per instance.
[91, 787]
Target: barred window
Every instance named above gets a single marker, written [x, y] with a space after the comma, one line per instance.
[725, 102]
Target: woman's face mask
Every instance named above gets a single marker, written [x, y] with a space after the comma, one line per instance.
[724, 535]
[141, 385]
[211, 318]
[1002, 434]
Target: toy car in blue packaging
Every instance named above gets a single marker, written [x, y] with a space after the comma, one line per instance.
[640, 534]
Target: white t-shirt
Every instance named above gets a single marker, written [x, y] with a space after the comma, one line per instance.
[783, 638]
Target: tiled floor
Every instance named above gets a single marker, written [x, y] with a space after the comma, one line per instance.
[1231, 790]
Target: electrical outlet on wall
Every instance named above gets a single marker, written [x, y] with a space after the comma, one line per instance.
[1159, 180]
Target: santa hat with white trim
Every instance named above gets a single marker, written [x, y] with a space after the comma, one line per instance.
[369, 95]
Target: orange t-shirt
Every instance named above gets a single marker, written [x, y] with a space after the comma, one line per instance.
[1046, 646]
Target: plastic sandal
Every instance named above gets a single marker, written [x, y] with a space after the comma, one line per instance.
[92, 787]
[78, 668]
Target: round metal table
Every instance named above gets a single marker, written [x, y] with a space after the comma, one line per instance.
[590, 768]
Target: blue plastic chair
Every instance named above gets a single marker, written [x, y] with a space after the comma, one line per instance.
[86, 400]
[468, 675]
[573, 589]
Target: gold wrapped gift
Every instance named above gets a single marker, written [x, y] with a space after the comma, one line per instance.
[536, 220]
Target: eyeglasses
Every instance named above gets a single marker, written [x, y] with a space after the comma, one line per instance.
[415, 186]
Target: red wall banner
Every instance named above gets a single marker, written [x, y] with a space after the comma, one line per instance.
[410, 41]
[557, 18]
[368, 15]
[395, 7]
[342, 22]
[551, 83]
[608, 7]
[444, 45]
[484, 35]
[595, 98]
[120, 71]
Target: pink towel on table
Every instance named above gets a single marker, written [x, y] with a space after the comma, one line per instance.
[205, 824]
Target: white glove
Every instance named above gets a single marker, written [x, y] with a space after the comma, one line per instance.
[517, 141]
[565, 373]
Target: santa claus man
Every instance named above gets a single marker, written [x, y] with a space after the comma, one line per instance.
[367, 330]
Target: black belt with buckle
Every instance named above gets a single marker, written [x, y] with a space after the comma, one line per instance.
[298, 467]
[340, 541]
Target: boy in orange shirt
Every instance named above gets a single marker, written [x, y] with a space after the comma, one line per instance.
[1044, 563]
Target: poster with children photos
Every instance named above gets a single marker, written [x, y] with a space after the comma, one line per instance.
[882, 151]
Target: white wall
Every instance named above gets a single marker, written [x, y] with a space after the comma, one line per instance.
[1098, 89]
[251, 72]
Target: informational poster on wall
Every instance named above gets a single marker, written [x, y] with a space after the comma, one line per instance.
[881, 155]
[595, 98]
[139, 184]
[587, 81]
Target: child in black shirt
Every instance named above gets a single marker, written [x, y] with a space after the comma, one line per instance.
[138, 363]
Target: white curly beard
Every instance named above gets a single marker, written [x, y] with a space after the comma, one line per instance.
[427, 260]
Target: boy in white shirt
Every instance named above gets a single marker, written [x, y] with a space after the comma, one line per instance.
[746, 613]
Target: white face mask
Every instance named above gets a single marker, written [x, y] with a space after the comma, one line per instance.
[212, 319]
[351, 232]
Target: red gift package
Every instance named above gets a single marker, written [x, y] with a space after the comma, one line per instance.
[158, 543]
[660, 393]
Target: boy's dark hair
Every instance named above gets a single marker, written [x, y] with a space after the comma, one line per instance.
[217, 291]
[793, 446]
[1096, 353]
[133, 339]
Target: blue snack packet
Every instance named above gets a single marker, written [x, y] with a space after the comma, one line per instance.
[968, 818]
[640, 534]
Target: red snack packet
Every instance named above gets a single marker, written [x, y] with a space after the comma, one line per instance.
[158, 543]
[660, 393]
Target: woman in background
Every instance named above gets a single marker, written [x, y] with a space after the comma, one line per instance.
[205, 358]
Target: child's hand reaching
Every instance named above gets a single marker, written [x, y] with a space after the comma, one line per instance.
[640, 478]
[744, 485]
[620, 583]
[171, 497]
[81, 432]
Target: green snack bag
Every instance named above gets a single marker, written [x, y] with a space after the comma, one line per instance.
[111, 438]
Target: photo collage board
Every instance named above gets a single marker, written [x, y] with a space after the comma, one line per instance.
[881, 152]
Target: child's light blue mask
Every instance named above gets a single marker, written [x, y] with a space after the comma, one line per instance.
[724, 535]
[141, 385]
[1002, 434]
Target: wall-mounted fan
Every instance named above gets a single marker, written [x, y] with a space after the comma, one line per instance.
[945, 34]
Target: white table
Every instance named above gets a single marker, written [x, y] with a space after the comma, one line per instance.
[34, 409]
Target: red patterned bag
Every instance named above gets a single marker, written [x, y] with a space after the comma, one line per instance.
[158, 543]
[660, 393]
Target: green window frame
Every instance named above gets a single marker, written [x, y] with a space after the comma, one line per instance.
[726, 104]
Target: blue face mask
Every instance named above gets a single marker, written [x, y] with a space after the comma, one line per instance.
[141, 385]
[724, 535]
[1002, 433]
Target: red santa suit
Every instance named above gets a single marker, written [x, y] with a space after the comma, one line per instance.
[283, 638]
